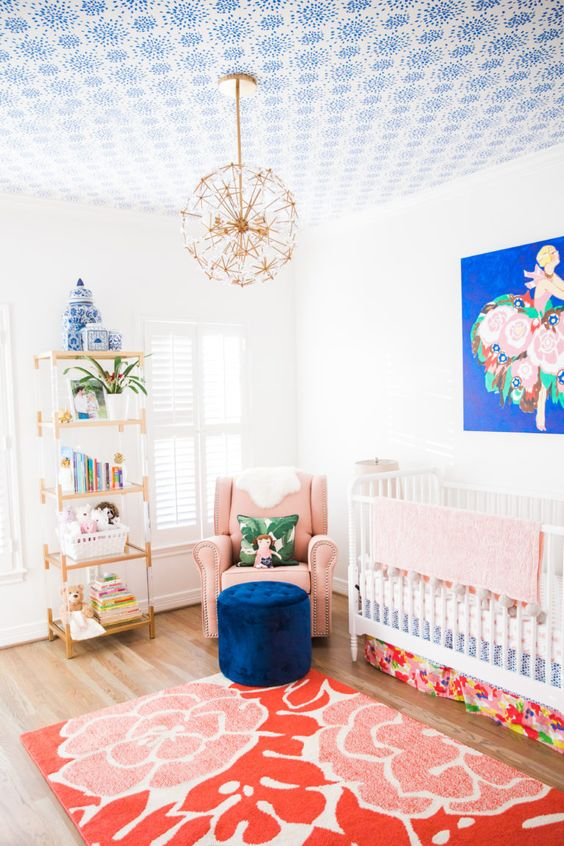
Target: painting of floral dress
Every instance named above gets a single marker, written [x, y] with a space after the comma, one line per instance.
[513, 339]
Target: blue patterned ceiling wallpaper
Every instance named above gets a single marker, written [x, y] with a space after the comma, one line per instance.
[360, 101]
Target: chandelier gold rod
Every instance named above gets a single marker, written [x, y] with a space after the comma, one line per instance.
[251, 204]
[238, 110]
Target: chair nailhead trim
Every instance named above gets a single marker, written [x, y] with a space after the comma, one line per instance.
[324, 506]
[204, 577]
[328, 573]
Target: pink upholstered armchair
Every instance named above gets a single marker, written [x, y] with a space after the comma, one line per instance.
[216, 557]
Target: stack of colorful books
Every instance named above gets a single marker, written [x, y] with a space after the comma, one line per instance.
[113, 602]
[88, 474]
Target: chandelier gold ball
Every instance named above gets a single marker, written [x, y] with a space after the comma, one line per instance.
[240, 222]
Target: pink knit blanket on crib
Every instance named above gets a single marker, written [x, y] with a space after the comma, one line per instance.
[501, 554]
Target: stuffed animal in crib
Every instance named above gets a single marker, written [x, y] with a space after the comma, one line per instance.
[86, 521]
[263, 558]
[73, 600]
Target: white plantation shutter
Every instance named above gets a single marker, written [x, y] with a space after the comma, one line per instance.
[196, 402]
[221, 380]
[172, 368]
[222, 457]
[175, 482]
[10, 551]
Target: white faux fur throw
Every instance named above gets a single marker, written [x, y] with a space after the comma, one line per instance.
[267, 486]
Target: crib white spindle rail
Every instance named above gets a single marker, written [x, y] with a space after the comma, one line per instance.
[479, 625]
[532, 647]
[493, 632]
[505, 638]
[519, 646]
[466, 621]
[372, 594]
[477, 634]
[400, 600]
[410, 614]
[422, 617]
[363, 558]
[432, 608]
[548, 548]
[561, 589]
[443, 640]
[455, 618]
[381, 598]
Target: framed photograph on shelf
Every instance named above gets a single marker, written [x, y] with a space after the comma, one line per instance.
[88, 403]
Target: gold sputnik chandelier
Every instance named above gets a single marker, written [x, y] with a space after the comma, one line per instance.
[240, 222]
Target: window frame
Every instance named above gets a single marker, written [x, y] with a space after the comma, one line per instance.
[8, 446]
[176, 537]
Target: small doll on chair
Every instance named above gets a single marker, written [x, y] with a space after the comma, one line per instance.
[263, 558]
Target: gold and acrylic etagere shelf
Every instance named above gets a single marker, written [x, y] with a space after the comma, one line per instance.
[50, 426]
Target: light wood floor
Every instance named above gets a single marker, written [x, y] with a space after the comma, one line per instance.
[39, 687]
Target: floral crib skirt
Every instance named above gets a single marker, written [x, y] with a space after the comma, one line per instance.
[507, 709]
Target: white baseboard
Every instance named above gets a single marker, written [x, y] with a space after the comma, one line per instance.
[340, 586]
[169, 601]
[23, 633]
[37, 630]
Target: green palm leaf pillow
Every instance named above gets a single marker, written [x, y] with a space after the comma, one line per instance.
[281, 529]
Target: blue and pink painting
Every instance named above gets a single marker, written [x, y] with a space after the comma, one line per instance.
[513, 339]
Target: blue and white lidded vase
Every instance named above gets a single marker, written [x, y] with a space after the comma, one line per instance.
[95, 337]
[115, 340]
[79, 311]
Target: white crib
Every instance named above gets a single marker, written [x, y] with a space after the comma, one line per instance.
[455, 626]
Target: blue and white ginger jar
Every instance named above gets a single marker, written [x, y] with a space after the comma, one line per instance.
[79, 311]
[115, 340]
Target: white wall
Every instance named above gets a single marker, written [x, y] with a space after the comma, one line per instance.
[379, 358]
[375, 309]
[137, 268]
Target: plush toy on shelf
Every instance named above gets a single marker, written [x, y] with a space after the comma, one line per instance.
[68, 514]
[68, 523]
[78, 613]
[101, 517]
[88, 524]
[73, 600]
[112, 511]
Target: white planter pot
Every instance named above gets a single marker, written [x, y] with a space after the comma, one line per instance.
[117, 406]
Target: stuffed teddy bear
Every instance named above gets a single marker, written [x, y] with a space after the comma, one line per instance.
[73, 600]
[263, 558]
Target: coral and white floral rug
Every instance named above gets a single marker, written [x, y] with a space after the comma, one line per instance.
[313, 763]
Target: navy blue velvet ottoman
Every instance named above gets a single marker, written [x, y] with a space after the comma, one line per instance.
[264, 633]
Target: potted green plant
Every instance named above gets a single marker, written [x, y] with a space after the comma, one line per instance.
[116, 383]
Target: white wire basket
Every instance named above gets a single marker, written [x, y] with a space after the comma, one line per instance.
[110, 541]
